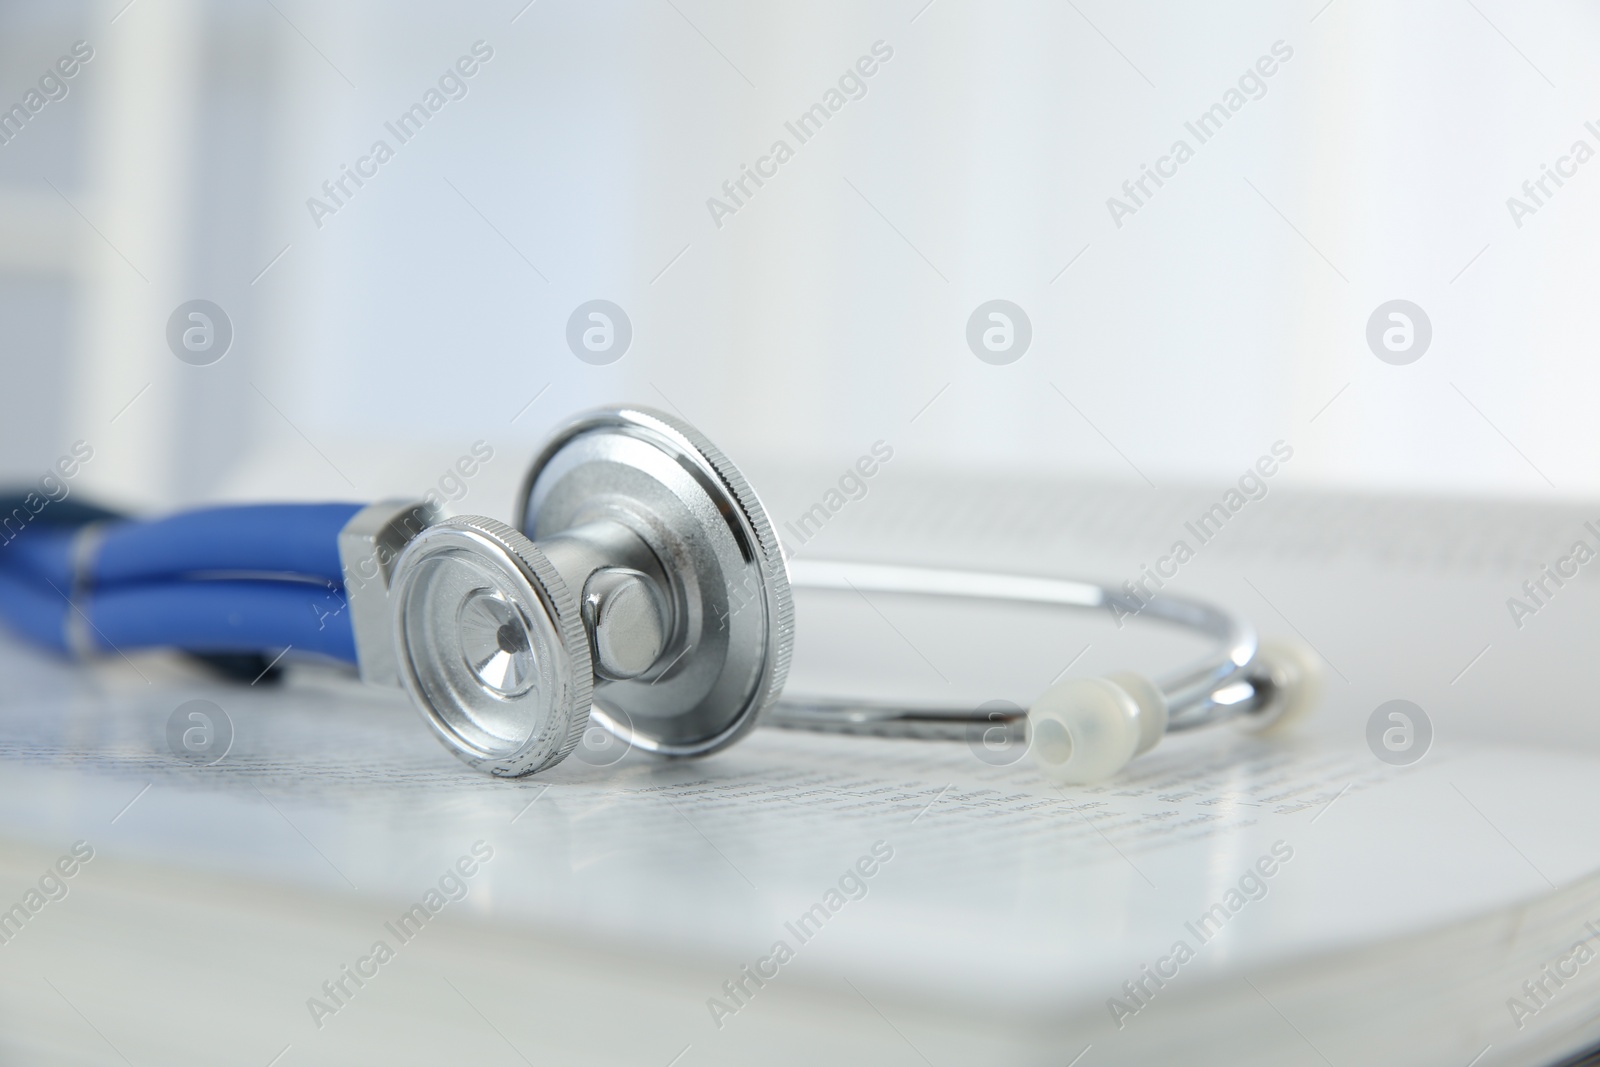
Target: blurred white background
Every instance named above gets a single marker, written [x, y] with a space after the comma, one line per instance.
[831, 310]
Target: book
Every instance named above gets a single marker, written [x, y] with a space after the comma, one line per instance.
[334, 887]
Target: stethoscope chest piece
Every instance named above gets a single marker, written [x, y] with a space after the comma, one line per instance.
[646, 593]
[651, 523]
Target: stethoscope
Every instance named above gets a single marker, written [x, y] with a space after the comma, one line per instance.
[645, 592]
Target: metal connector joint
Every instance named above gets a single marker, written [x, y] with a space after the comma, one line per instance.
[369, 544]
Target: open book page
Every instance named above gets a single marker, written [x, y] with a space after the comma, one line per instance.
[989, 888]
[930, 873]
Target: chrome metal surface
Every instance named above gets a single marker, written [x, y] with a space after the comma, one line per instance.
[873, 719]
[491, 647]
[1219, 685]
[636, 488]
[626, 620]
[369, 545]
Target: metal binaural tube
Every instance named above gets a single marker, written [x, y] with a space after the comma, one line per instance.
[1216, 686]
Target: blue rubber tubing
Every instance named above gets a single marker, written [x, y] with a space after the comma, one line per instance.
[224, 615]
[33, 609]
[290, 539]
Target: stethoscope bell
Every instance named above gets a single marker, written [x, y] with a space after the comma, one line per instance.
[647, 592]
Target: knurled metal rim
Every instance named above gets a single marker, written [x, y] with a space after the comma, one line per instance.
[754, 529]
[560, 605]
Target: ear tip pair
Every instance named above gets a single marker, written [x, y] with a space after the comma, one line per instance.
[1085, 730]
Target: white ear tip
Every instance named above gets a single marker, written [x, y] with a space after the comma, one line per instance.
[1297, 675]
[1083, 730]
[1152, 707]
